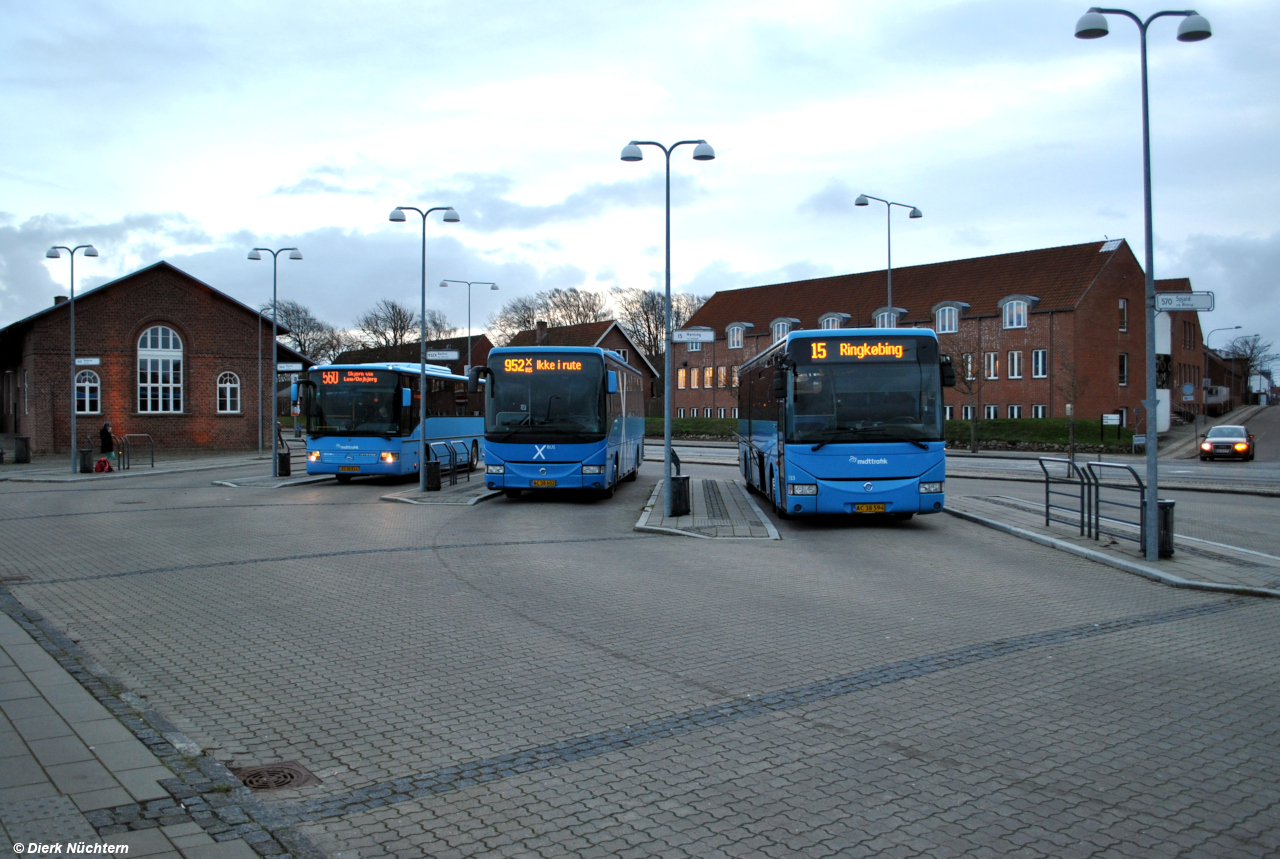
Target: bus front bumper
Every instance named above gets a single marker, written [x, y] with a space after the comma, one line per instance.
[552, 475]
[856, 497]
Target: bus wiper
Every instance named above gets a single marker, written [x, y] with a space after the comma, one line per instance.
[880, 431]
[831, 431]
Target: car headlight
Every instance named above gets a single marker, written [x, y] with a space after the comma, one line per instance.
[932, 488]
[802, 489]
[313, 456]
[495, 469]
[1241, 446]
[1206, 446]
[593, 469]
[389, 456]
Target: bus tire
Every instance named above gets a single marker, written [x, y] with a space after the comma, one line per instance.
[475, 455]
[511, 493]
[343, 478]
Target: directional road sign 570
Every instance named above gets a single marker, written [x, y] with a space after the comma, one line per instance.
[1171, 301]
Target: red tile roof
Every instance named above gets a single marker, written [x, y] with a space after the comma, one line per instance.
[586, 334]
[1059, 277]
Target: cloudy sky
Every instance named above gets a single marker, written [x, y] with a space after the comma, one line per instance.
[191, 132]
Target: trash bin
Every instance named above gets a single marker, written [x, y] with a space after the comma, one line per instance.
[1165, 547]
[21, 449]
[433, 475]
[284, 464]
[680, 496]
[86, 460]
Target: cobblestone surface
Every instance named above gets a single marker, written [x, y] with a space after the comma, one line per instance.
[532, 677]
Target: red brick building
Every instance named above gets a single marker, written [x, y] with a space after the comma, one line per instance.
[605, 335]
[1035, 330]
[177, 359]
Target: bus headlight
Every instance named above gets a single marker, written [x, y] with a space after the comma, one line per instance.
[495, 469]
[932, 488]
[802, 489]
[593, 469]
[389, 456]
[313, 456]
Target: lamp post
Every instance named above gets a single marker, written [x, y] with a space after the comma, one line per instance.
[255, 254]
[55, 252]
[864, 200]
[1194, 28]
[470, 283]
[702, 152]
[450, 217]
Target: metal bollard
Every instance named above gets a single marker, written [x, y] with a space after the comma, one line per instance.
[1165, 535]
[680, 502]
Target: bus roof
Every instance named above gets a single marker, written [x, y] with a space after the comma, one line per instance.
[816, 333]
[434, 370]
[587, 350]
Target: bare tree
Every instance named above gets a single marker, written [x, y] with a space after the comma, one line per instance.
[643, 313]
[1251, 355]
[333, 342]
[438, 326]
[518, 314]
[555, 306]
[683, 306]
[308, 335]
[389, 323]
[966, 358]
[1072, 383]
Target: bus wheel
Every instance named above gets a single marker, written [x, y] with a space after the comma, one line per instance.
[511, 493]
[344, 478]
[475, 456]
[609, 489]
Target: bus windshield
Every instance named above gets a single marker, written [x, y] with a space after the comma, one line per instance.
[865, 398]
[354, 402]
[545, 397]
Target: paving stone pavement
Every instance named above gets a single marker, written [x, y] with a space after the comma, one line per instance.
[532, 677]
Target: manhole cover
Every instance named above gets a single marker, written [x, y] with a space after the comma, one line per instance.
[286, 774]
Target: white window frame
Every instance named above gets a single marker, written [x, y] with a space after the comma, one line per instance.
[624, 354]
[1015, 314]
[950, 412]
[693, 346]
[228, 393]
[735, 413]
[990, 412]
[780, 330]
[1123, 369]
[1039, 411]
[947, 320]
[734, 336]
[1040, 364]
[966, 413]
[706, 413]
[160, 388]
[694, 374]
[1124, 314]
[991, 365]
[680, 412]
[88, 382]
[1015, 412]
[708, 379]
[1015, 364]
[722, 411]
[680, 375]
[886, 319]
[722, 376]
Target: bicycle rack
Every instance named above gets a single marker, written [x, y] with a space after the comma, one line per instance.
[128, 447]
[1064, 472]
[436, 447]
[1137, 487]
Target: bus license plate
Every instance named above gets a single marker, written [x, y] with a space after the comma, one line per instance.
[348, 468]
[542, 483]
[868, 508]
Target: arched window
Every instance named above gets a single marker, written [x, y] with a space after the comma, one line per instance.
[948, 320]
[734, 336]
[88, 393]
[887, 319]
[1015, 314]
[159, 370]
[228, 393]
[781, 327]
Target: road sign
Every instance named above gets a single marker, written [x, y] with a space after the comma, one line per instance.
[1169, 301]
[291, 367]
[459, 398]
[1140, 440]
[88, 362]
[442, 354]
[1188, 398]
[1188, 389]
[1111, 420]
[694, 335]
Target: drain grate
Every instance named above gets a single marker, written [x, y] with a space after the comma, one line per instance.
[281, 776]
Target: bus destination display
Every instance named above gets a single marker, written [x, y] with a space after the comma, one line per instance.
[541, 365]
[358, 377]
[856, 350]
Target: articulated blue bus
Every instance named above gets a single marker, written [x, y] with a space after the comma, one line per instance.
[846, 421]
[362, 419]
[560, 418]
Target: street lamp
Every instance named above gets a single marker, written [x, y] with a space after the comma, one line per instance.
[1194, 28]
[55, 253]
[864, 200]
[254, 254]
[702, 152]
[492, 288]
[450, 217]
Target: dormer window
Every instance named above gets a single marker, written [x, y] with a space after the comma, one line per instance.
[886, 319]
[1014, 309]
[693, 346]
[782, 326]
[830, 321]
[733, 334]
[947, 320]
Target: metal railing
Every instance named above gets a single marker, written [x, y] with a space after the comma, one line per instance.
[1126, 488]
[1065, 473]
[128, 447]
[436, 448]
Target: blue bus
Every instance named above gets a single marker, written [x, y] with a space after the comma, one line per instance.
[560, 418]
[846, 421]
[362, 419]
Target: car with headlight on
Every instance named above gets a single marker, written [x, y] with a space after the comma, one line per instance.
[1227, 442]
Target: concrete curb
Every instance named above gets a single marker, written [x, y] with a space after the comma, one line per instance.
[493, 493]
[287, 482]
[642, 524]
[1131, 567]
[120, 475]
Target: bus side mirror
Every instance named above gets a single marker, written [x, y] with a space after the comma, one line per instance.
[406, 398]
[613, 381]
[948, 373]
[779, 384]
[293, 392]
[473, 379]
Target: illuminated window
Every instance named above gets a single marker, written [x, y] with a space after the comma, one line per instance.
[733, 377]
[722, 376]
[680, 374]
[708, 377]
[1015, 314]
[693, 346]
[1124, 368]
[1015, 365]
[991, 365]
[735, 336]
[88, 391]
[948, 320]
[228, 393]
[1040, 364]
[1039, 411]
[887, 319]
[1124, 314]
[159, 370]
[693, 377]
[991, 412]
[1015, 411]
